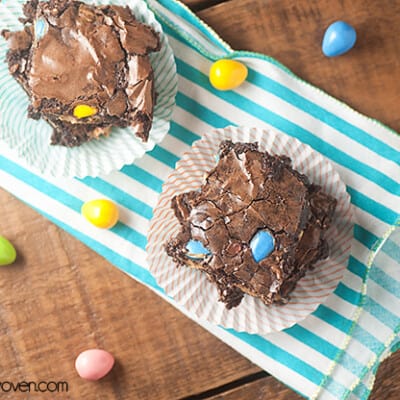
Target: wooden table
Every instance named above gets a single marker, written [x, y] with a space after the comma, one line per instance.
[60, 298]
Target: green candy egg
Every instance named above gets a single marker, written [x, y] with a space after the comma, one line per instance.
[7, 252]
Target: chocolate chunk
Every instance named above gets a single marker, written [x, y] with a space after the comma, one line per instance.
[249, 191]
[71, 54]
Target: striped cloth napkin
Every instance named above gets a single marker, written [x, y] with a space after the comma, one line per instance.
[335, 352]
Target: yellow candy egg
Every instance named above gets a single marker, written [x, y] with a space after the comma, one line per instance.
[84, 111]
[227, 74]
[101, 213]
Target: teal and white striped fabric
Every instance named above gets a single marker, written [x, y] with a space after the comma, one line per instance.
[332, 354]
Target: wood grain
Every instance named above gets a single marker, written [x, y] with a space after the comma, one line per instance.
[60, 297]
[262, 389]
[387, 383]
[367, 77]
[196, 5]
[387, 386]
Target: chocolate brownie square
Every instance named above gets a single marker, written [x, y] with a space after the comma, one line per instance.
[254, 227]
[85, 68]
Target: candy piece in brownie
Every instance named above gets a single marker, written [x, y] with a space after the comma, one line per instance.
[86, 68]
[255, 226]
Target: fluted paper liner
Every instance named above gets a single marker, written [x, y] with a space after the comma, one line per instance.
[191, 288]
[31, 139]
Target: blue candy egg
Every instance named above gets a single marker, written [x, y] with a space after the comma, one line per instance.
[41, 28]
[262, 245]
[339, 38]
[196, 250]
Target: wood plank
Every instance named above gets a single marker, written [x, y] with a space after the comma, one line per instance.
[262, 389]
[197, 5]
[387, 386]
[60, 298]
[387, 383]
[367, 77]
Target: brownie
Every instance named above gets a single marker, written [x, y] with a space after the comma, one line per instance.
[257, 225]
[85, 68]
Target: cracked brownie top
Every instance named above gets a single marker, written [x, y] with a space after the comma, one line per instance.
[255, 226]
[86, 68]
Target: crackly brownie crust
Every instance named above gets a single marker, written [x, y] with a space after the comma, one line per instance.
[91, 55]
[246, 192]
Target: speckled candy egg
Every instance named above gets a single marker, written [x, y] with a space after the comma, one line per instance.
[94, 364]
[339, 38]
[7, 252]
[102, 213]
[227, 74]
[40, 28]
[262, 245]
[196, 250]
[82, 111]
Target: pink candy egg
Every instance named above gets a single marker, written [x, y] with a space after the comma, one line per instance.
[94, 364]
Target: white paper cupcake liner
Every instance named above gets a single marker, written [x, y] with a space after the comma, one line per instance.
[192, 290]
[31, 139]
